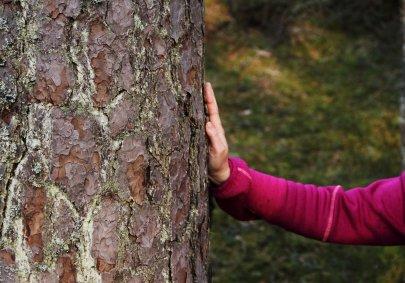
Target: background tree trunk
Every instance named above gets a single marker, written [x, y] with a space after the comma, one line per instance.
[102, 141]
[402, 87]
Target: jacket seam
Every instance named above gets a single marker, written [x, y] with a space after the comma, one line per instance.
[331, 215]
[244, 172]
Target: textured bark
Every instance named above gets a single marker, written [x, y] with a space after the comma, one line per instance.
[102, 142]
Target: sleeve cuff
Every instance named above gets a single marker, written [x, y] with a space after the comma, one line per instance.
[238, 182]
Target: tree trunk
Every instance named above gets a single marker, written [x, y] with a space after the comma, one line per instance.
[102, 141]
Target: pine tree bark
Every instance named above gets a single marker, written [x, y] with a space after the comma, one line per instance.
[102, 141]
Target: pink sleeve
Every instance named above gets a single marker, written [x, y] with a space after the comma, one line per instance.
[372, 215]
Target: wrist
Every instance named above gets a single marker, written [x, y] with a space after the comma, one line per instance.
[221, 176]
[238, 181]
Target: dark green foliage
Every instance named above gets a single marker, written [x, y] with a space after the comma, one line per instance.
[353, 16]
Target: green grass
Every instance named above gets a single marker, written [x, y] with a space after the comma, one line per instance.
[321, 107]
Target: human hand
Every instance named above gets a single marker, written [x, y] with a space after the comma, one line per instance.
[218, 167]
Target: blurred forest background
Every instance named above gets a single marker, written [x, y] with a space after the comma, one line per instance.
[307, 90]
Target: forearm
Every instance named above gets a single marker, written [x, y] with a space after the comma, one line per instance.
[301, 208]
[250, 194]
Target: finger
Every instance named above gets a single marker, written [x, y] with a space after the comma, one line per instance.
[214, 136]
[213, 112]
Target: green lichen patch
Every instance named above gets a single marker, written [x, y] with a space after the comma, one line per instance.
[3, 24]
[8, 94]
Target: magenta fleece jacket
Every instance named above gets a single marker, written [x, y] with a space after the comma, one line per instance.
[370, 215]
